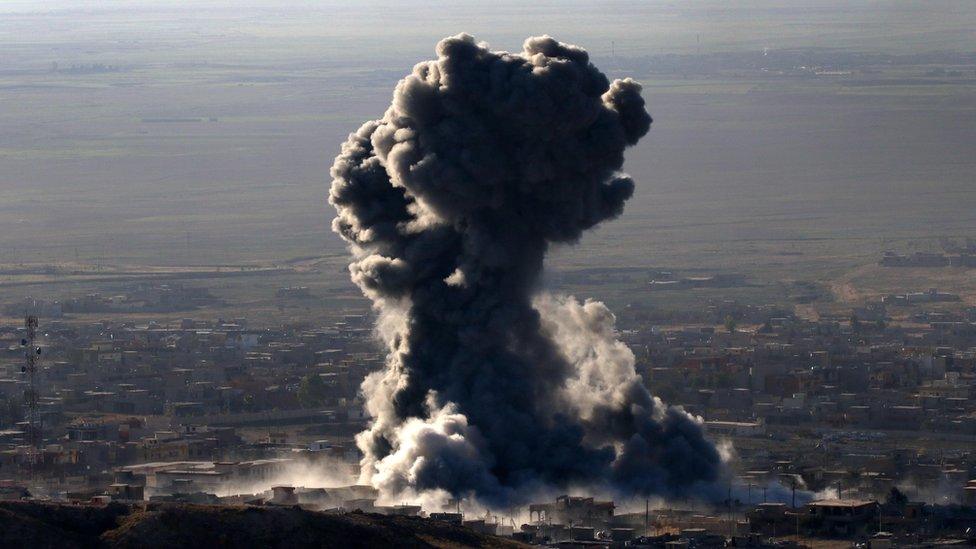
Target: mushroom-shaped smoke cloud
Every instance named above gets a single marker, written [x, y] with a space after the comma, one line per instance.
[449, 203]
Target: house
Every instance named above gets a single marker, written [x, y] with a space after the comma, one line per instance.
[573, 510]
[842, 518]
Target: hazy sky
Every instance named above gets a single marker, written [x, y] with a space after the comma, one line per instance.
[637, 27]
[289, 80]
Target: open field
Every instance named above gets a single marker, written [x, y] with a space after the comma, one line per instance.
[207, 142]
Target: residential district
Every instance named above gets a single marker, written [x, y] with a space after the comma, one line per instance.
[858, 427]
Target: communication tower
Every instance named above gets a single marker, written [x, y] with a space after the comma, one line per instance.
[31, 354]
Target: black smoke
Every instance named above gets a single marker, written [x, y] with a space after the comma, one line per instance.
[450, 202]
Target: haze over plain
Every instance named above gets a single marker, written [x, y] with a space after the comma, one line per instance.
[142, 133]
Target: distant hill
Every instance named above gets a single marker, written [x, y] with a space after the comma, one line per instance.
[41, 525]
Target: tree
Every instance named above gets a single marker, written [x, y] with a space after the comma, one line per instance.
[896, 497]
[249, 402]
[312, 392]
[730, 324]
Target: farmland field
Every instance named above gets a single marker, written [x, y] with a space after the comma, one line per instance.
[207, 142]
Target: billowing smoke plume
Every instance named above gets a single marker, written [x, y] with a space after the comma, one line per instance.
[450, 202]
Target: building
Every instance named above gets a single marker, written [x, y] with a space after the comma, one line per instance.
[841, 518]
[573, 511]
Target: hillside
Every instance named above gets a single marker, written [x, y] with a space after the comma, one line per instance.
[39, 525]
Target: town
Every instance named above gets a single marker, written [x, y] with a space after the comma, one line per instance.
[856, 427]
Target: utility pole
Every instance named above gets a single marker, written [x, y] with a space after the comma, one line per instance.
[731, 518]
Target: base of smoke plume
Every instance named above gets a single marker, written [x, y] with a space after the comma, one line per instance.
[330, 473]
[605, 376]
[704, 498]
[302, 473]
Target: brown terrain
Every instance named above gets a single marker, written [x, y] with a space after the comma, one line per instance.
[40, 525]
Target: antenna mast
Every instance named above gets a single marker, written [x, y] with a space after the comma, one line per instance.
[31, 353]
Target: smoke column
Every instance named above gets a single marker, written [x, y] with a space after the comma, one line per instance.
[449, 203]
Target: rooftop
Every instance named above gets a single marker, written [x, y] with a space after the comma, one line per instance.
[842, 503]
